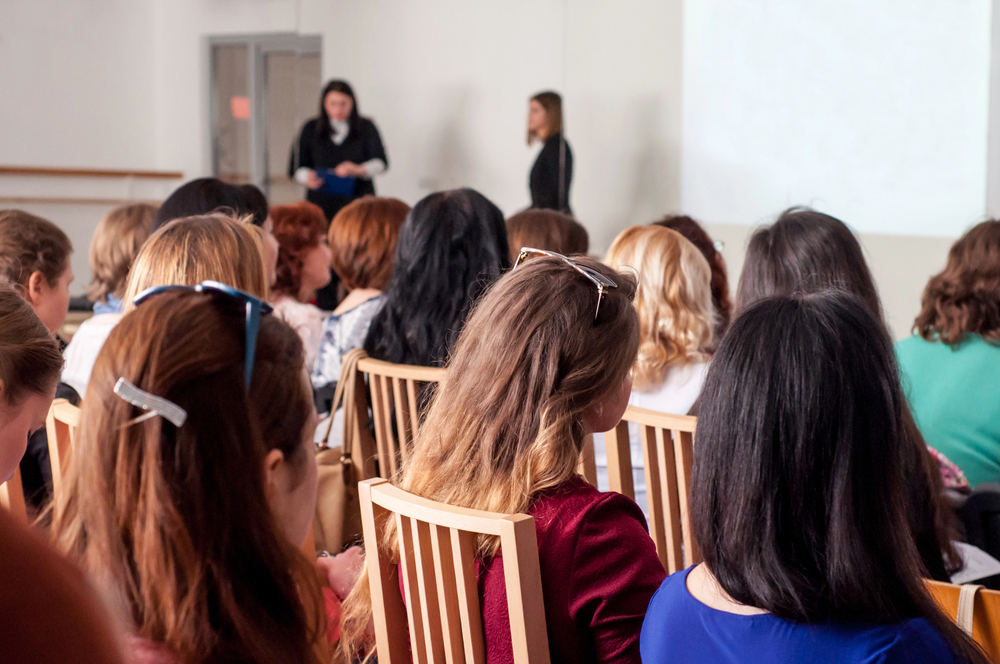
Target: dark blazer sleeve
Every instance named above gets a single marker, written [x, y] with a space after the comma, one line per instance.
[307, 138]
[373, 143]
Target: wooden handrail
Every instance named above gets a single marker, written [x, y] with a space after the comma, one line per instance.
[90, 172]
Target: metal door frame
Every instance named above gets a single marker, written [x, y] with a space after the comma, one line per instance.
[258, 46]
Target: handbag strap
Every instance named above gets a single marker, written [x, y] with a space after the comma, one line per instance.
[345, 394]
[966, 606]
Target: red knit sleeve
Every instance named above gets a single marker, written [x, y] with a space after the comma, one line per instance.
[333, 614]
[615, 572]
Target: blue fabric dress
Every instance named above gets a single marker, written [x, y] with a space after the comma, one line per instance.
[678, 628]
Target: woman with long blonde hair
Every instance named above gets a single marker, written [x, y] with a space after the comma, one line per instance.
[543, 360]
[676, 323]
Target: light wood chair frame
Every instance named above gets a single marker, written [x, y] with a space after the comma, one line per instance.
[12, 497]
[985, 614]
[394, 390]
[667, 448]
[437, 545]
[61, 426]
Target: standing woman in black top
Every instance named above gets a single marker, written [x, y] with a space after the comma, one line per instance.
[553, 169]
[341, 140]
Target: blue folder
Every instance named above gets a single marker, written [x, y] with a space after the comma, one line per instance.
[334, 184]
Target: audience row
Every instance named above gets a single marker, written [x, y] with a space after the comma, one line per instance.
[817, 503]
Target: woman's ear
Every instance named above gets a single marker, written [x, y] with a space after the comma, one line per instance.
[274, 467]
[37, 288]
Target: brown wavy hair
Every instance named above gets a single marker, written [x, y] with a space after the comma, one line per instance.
[30, 360]
[175, 520]
[507, 421]
[363, 239]
[297, 228]
[695, 234]
[31, 244]
[546, 229]
[965, 297]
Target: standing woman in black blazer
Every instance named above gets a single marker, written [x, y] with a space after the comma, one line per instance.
[553, 169]
[341, 140]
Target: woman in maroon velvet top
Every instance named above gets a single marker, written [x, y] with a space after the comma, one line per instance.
[543, 360]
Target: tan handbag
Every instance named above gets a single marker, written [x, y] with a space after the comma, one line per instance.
[337, 523]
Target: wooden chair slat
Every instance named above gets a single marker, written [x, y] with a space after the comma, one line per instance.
[463, 548]
[447, 592]
[619, 455]
[388, 614]
[403, 433]
[12, 497]
[683, 453]
[654, 492]
[61, 425]
[408, 564]
[427, 592]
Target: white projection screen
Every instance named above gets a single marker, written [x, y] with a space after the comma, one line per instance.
[875, 112]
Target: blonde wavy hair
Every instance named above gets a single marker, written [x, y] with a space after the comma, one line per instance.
[674, 300]
[190, 250]
[507, 422]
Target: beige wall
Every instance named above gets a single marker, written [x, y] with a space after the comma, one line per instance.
[901, 265]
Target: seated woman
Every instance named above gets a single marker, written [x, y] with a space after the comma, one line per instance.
[303, 266]
[35, 259]
[533, 373]
[113, 248]
[363, 239]
[806, 251]
[452, 246]
[29, 370]
[951, 365]
[546, 229]
[694, 233]
[676, 318]
[799, 502]
[194, 483]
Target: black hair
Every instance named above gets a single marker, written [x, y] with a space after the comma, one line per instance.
[451, 248]
[206, 195]
[805, 250]
[799, 485]
[323, 127]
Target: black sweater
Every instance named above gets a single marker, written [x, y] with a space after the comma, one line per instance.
[544, 179]
[362, 143]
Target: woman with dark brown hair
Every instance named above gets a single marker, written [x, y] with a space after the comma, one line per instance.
[693, 231]
[799, 503]
[951, 366]
[805, 251]
[303, 267]
[194, 481]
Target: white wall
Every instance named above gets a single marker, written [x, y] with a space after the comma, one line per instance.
[875, 112]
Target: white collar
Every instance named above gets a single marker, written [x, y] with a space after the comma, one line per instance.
[339, 130]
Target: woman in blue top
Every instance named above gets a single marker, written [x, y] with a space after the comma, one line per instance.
[798, 503]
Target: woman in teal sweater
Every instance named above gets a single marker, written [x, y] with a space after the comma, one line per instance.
[951, 366]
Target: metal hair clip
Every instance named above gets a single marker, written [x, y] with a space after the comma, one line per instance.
[166, 409]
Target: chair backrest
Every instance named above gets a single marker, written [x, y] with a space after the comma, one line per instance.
[395, 394]
[667, 446]
[12, 497]
[61, 426]
[985, 614]
[441, 613]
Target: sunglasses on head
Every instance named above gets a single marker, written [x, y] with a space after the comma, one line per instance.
[599, 280]
[255, 307]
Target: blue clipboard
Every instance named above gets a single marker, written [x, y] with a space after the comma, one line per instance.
[334, 184]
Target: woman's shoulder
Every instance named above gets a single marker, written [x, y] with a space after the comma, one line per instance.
[366, 125]
[913, 640]
[576, 504]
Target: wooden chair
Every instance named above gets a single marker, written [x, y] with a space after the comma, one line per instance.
[441, 613]
[667, 445]
[61, 426]
[12, 497]
[395, 390]
[985, 613]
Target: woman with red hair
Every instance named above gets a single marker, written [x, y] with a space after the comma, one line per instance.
[303, 267]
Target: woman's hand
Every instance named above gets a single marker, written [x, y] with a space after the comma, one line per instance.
[314, 181]
[341, 571]
[349, 169]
